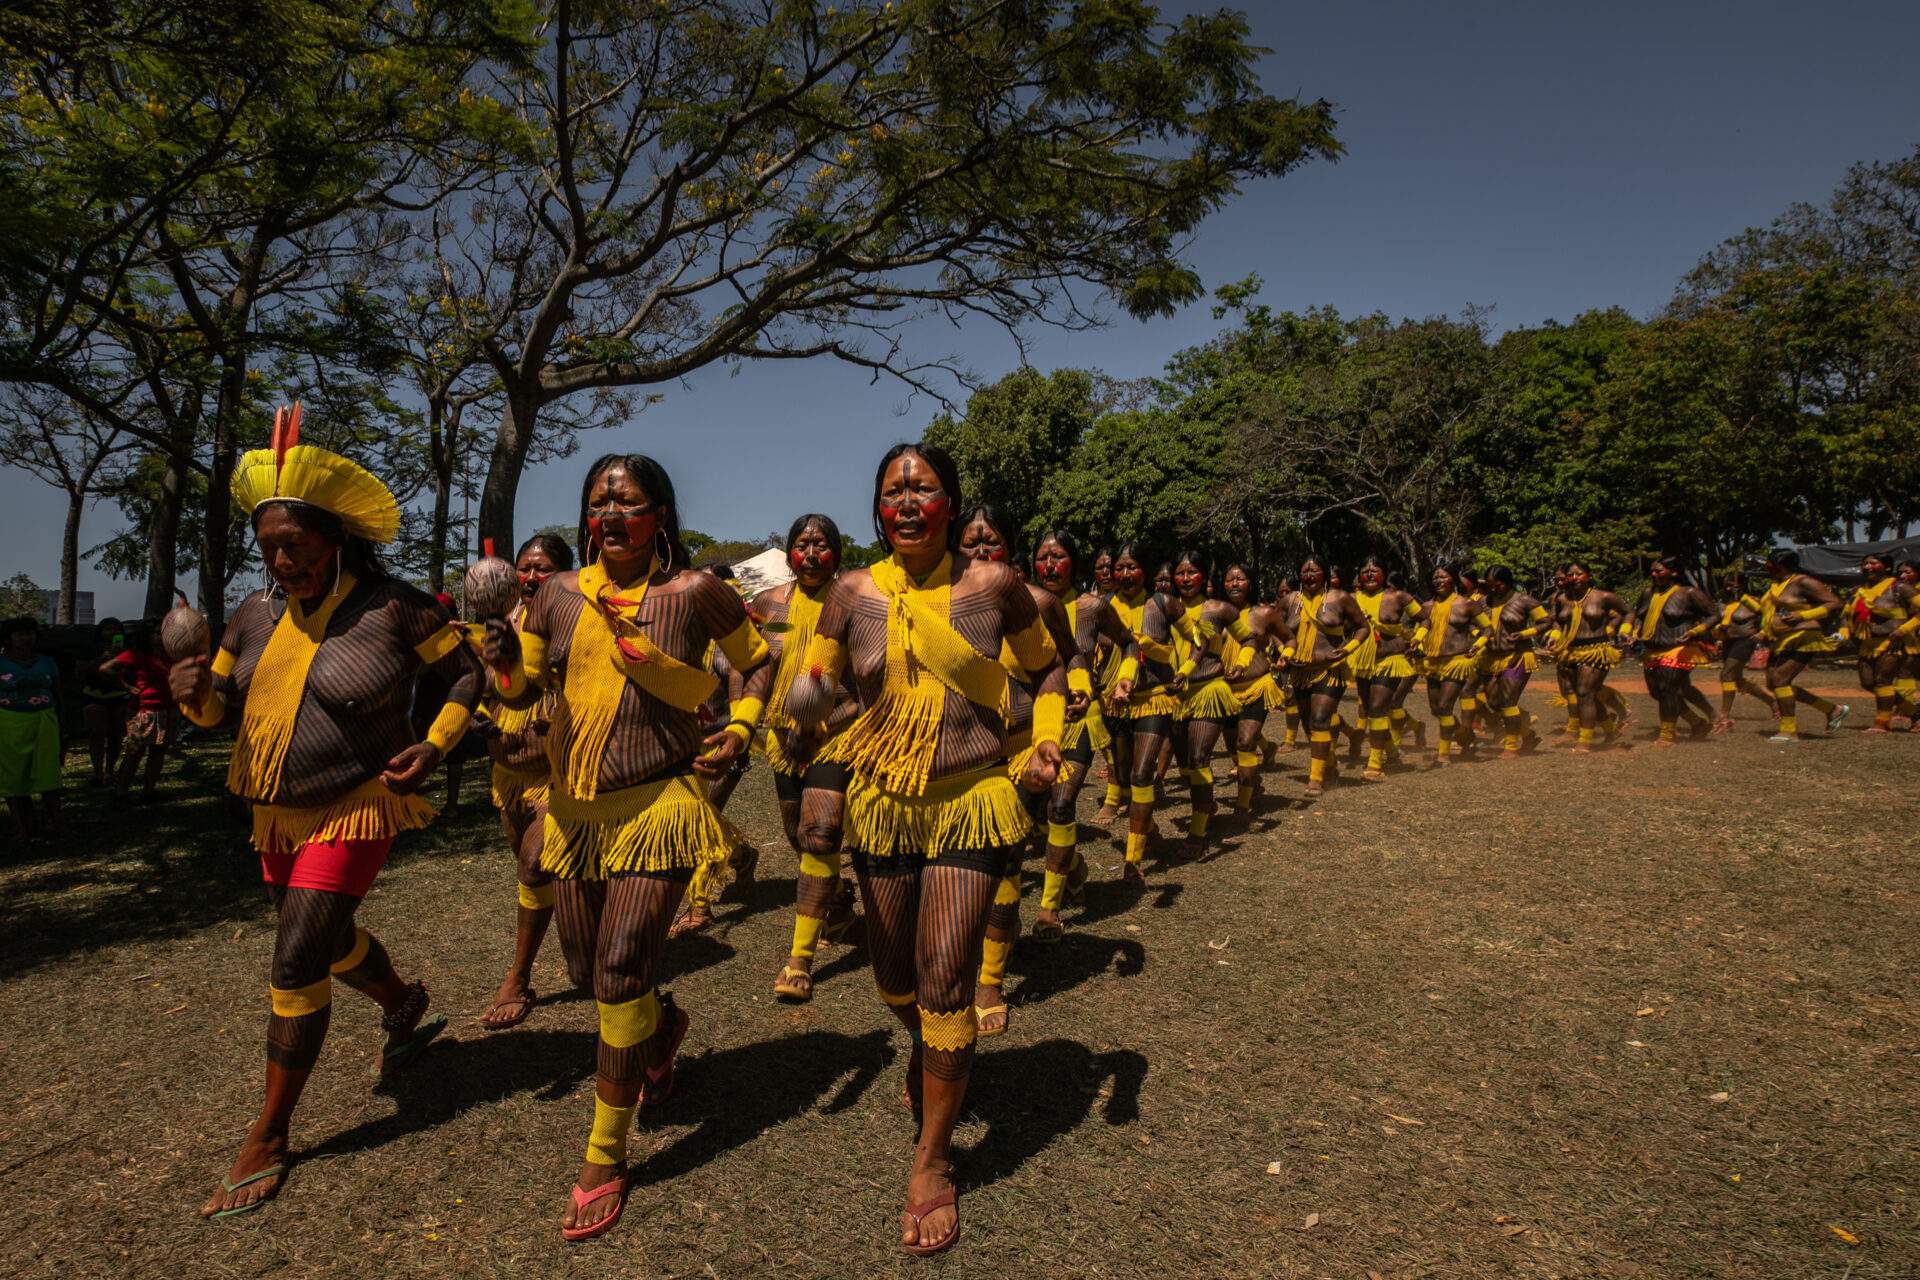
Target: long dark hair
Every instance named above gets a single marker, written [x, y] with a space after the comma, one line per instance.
[1253, 581]
[990, 514]
[937, 458]
[556, 548]
[656, 484]
[1067, 544]
[357, 556]
[828, 530]
[1200, 561]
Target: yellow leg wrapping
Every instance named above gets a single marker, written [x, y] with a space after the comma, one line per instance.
[1469, 703]
[827, 868]
[1822, 705]
[1783, 698]
[1586, 737]
[1062, 835]
[1376, 758]
[947, 1031]
[1116, 795]
[1247, 759]
[1197, 825]
[1320, 735]
[300, 1001]
[626, 1024]
[1316, 770]
[806, 935]
[1197, 777]
[1666, 730]
[607, 1144]
[1136, 847]
[993, 964]
[536, 897]
[1243, 798]
[362, 942]
[1053, 890]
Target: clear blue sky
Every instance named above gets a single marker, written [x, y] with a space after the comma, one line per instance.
[1540, 159]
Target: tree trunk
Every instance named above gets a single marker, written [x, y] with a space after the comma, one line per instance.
[509, 457]
[440, 450]
[216, 522]
[69, 558]
[163, 533]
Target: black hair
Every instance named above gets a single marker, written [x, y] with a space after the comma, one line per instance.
[826, 528]
[1672, 565]
[107, 628]
[1337, 576]
[1783, 558]
[1397, 579]
[721, 570]
[1499, 574]
[1253, 579]
[1581, 565]
[358, 556]
[1105, 549]
[1907, 564]
[942, 463]
[1312, 558]
[555, 547]
[1067, 544]
[989, 513]
[1166, 567]
[1198, 559]
[655, 483]
[1453, 574]
[1133, 551]
[25, 622]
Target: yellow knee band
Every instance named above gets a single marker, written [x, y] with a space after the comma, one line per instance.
[1063, 835]
[607, 1144]
[1398, 713]
[1320, 735]
[947, 1031]
[1468, 702]
[301, 1001]
[1883, 691]
[1198, 777]
[626, 1024]
[362, 943]
[895, 1000]
[1008, 892]
[1446, 722]
[536, 897]
[1509, 713]
[1729, 686]
[1247, 759]
[812, 864]
[1142, 795]
[1783, 694]
[993, 963]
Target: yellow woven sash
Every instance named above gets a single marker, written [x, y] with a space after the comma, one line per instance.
[1770, 605]
[1860, 616]
[1437, 627]
[274, 694]
[893, 741]
[1307, 635]
[1655, 607]
[803, 618]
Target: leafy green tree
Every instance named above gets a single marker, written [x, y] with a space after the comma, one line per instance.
[1014, 434]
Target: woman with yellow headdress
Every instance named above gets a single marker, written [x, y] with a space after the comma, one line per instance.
[628, 826]
[322, 660]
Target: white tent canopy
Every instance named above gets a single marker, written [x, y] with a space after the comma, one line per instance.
[757, 574]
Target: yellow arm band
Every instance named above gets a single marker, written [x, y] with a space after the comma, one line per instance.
[1079, 681]
[441, 643]
[1908, 627]
[1813, 614]
[1129, 669]
[211, 712]
[1049, 718]
[1414, 610]
[449, 727]
[744, 648]
[744, 717]
[1154, 650]
[1033, 647]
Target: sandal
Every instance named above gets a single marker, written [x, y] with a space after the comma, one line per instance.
[1048, 930]
[793, 984]
[918, 1213]
[525, 1000]
[392, 1056]
[691, 922]
[271, 1171]
[659, 1083]
[614, 1186]
[981, 1011]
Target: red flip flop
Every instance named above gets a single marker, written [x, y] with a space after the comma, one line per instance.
[615, 1186]
[659, 1085]
[918, 1213]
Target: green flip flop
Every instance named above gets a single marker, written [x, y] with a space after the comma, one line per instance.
[271, 1171]
[392, 1060]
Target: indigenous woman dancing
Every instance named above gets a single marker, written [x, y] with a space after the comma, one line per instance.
[1882, 616]
[813, 797]
[518, 744]
[1380, 664]
[322, 661]
[1792, 617]
[1142, 719]
[1095, 625]
[1671, 619]
[1328, 627]
[932, 818]
[1208, 703]
[1738, 631]
[1587, 619]
[1455, 627]
[1907, 702]
[627, 825]
[1518, 621]
[1250, 675]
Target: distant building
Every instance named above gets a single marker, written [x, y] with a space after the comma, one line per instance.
[82, 607]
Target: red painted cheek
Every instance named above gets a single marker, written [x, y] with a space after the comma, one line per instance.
[593, 529]
[796, 558]
[889, 516]
[999, 555]
[936, 512]
[640, 529]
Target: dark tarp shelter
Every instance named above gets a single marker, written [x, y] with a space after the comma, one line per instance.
[1841, 560]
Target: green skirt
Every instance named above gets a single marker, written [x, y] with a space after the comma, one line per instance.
[29, 752]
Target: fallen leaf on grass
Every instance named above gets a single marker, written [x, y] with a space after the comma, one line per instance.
[1848, 1236]
[1717, 1098]
[1389, 1130]
[1273, 1167]
[1133, 928]
[177, 1008]
[1644, 1013]
[1313, 1220]
[1220, 945]
[1513, 1231]
[1405, 1119]
[1636, 1044]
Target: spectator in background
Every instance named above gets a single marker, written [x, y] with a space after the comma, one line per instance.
[429, 695]
[30, 747]
[152, 722]
[104, 700]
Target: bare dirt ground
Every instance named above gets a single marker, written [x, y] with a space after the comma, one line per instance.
[1647, 1013]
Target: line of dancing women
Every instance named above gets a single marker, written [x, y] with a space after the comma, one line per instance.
[927, 717]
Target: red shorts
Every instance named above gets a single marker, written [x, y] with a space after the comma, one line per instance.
[338, 866]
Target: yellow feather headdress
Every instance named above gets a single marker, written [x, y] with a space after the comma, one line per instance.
[287, 469]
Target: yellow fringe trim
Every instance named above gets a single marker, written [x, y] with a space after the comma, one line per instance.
[1091, 727]
[368, 812]
[803, 619]
[1213, 700]
[515, 791]
[656, 826]
[273, 698]
[1596, 653]
[976, 810]
[1138, 708]
[511, 721]
[1462, 667]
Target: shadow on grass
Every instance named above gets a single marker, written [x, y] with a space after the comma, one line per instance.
[1029, 1096]
[1047, 969]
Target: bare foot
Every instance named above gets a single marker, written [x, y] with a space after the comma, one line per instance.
[593, 1175]
[258, 1152]
[1133, 877]
[510, 1007]
[1659, 744]
[925, 1183]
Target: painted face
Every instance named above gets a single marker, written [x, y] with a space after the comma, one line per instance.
[1442, 583]
[1103, 573]
[1128, 574]
[1054, 567]
[812, 558]
[534, 566]
[1661, 576]
[1873, 568]
[1189, 581]
[915, 509]
[1372, 577]
[1578, 580]
[1163, 579]
[300, 559]
[1313, 576]
[1909, 575]
[1239, 590]
[982, 541]
[621, 519]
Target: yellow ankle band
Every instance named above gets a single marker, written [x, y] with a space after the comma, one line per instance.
[1197, 824]
[993, 962]
[1053, 890]
[806, 935]
[1136, 846]
[607, 1144]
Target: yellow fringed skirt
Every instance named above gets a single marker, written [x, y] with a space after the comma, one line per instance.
[979, 809]
[1090, 728]
[1265, 690]
[368, 812]
[1798, 644]
[1595, 653]
[1460, 666]
[652, 826]
[1162, 703]
[518, 790]
[1211, 700]
[1523, 660]
[1392, 666]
